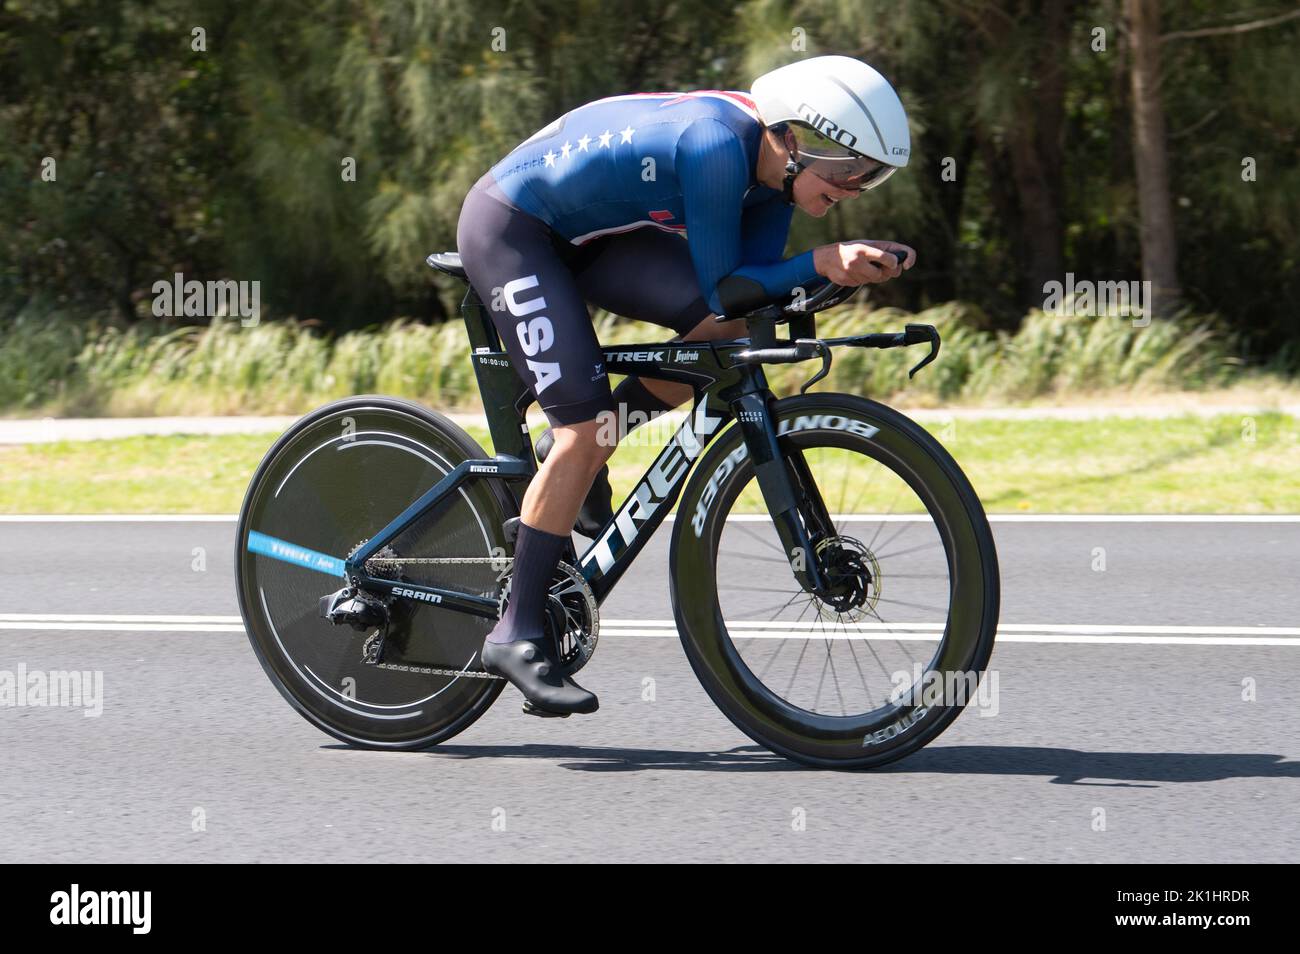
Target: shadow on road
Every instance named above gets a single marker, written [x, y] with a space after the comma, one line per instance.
[586, 758]
[1073, 767]
[1059, 766]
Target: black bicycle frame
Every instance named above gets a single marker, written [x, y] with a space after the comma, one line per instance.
[725, 386]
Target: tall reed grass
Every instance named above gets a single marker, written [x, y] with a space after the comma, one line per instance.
[53, 364]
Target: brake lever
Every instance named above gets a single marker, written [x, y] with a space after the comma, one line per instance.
[825, 353]
[915, 334]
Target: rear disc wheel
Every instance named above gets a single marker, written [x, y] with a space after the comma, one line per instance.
[332, 481]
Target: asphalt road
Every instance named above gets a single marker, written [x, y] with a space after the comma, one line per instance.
[1128, 740]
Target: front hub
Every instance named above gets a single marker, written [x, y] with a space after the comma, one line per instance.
[852, 578]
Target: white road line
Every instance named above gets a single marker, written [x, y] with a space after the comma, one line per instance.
[738, 518]
[112, 618]
[1002, 637]
[87, 627]
[1063, 628]
[1077, 634]
[118, 518]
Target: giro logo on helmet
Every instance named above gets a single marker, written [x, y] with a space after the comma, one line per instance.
[827, 128]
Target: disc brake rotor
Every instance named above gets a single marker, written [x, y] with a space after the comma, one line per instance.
[853, 576]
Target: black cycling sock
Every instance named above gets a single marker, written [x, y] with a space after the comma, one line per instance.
[537, 553]
[633, 397]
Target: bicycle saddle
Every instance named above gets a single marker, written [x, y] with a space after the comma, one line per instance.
[448, 262]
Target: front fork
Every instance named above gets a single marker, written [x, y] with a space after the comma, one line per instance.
[790, 494]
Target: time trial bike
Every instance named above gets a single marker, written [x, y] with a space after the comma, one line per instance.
[828, 556]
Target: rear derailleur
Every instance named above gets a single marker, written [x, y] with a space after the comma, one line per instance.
[362, 611]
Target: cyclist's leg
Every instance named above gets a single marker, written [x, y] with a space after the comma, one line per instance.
[538, 310]
[535, 304]
[648, 275]
[613, 274]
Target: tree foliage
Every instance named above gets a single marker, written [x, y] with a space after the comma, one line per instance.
[228, 161]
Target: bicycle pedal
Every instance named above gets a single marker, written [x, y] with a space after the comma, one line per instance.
[533, 710]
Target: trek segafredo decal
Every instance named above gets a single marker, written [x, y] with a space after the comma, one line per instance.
[804, 422]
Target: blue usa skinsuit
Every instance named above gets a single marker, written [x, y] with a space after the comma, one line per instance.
[595, 207]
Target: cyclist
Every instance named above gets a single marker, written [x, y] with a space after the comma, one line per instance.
[670, 208]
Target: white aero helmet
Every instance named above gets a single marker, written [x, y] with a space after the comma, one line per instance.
[849, 125]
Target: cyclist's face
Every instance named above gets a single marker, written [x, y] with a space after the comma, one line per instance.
[812, 193]
[816, 196]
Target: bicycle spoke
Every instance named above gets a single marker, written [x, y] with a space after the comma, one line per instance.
[760, 559]
[909, 559]
[916, 549]
[772, 618]
[861, 675]
[767, 543]
[936, 609]
[905, 528]
[871, 545]
[831, 662]
[901, 644]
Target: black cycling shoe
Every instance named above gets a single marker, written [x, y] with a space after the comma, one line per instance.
[598, 509]
[530, 668]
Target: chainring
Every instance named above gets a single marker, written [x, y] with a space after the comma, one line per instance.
[572, 617]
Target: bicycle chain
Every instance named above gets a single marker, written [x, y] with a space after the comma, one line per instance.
[498, 563]
[434, 671]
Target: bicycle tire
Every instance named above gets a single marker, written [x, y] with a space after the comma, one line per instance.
[400, 443]
[888, 732]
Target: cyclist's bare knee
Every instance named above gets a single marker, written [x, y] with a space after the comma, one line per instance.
[584, 445]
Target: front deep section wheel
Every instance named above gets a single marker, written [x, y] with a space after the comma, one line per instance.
[335, 478]
[882, 657]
